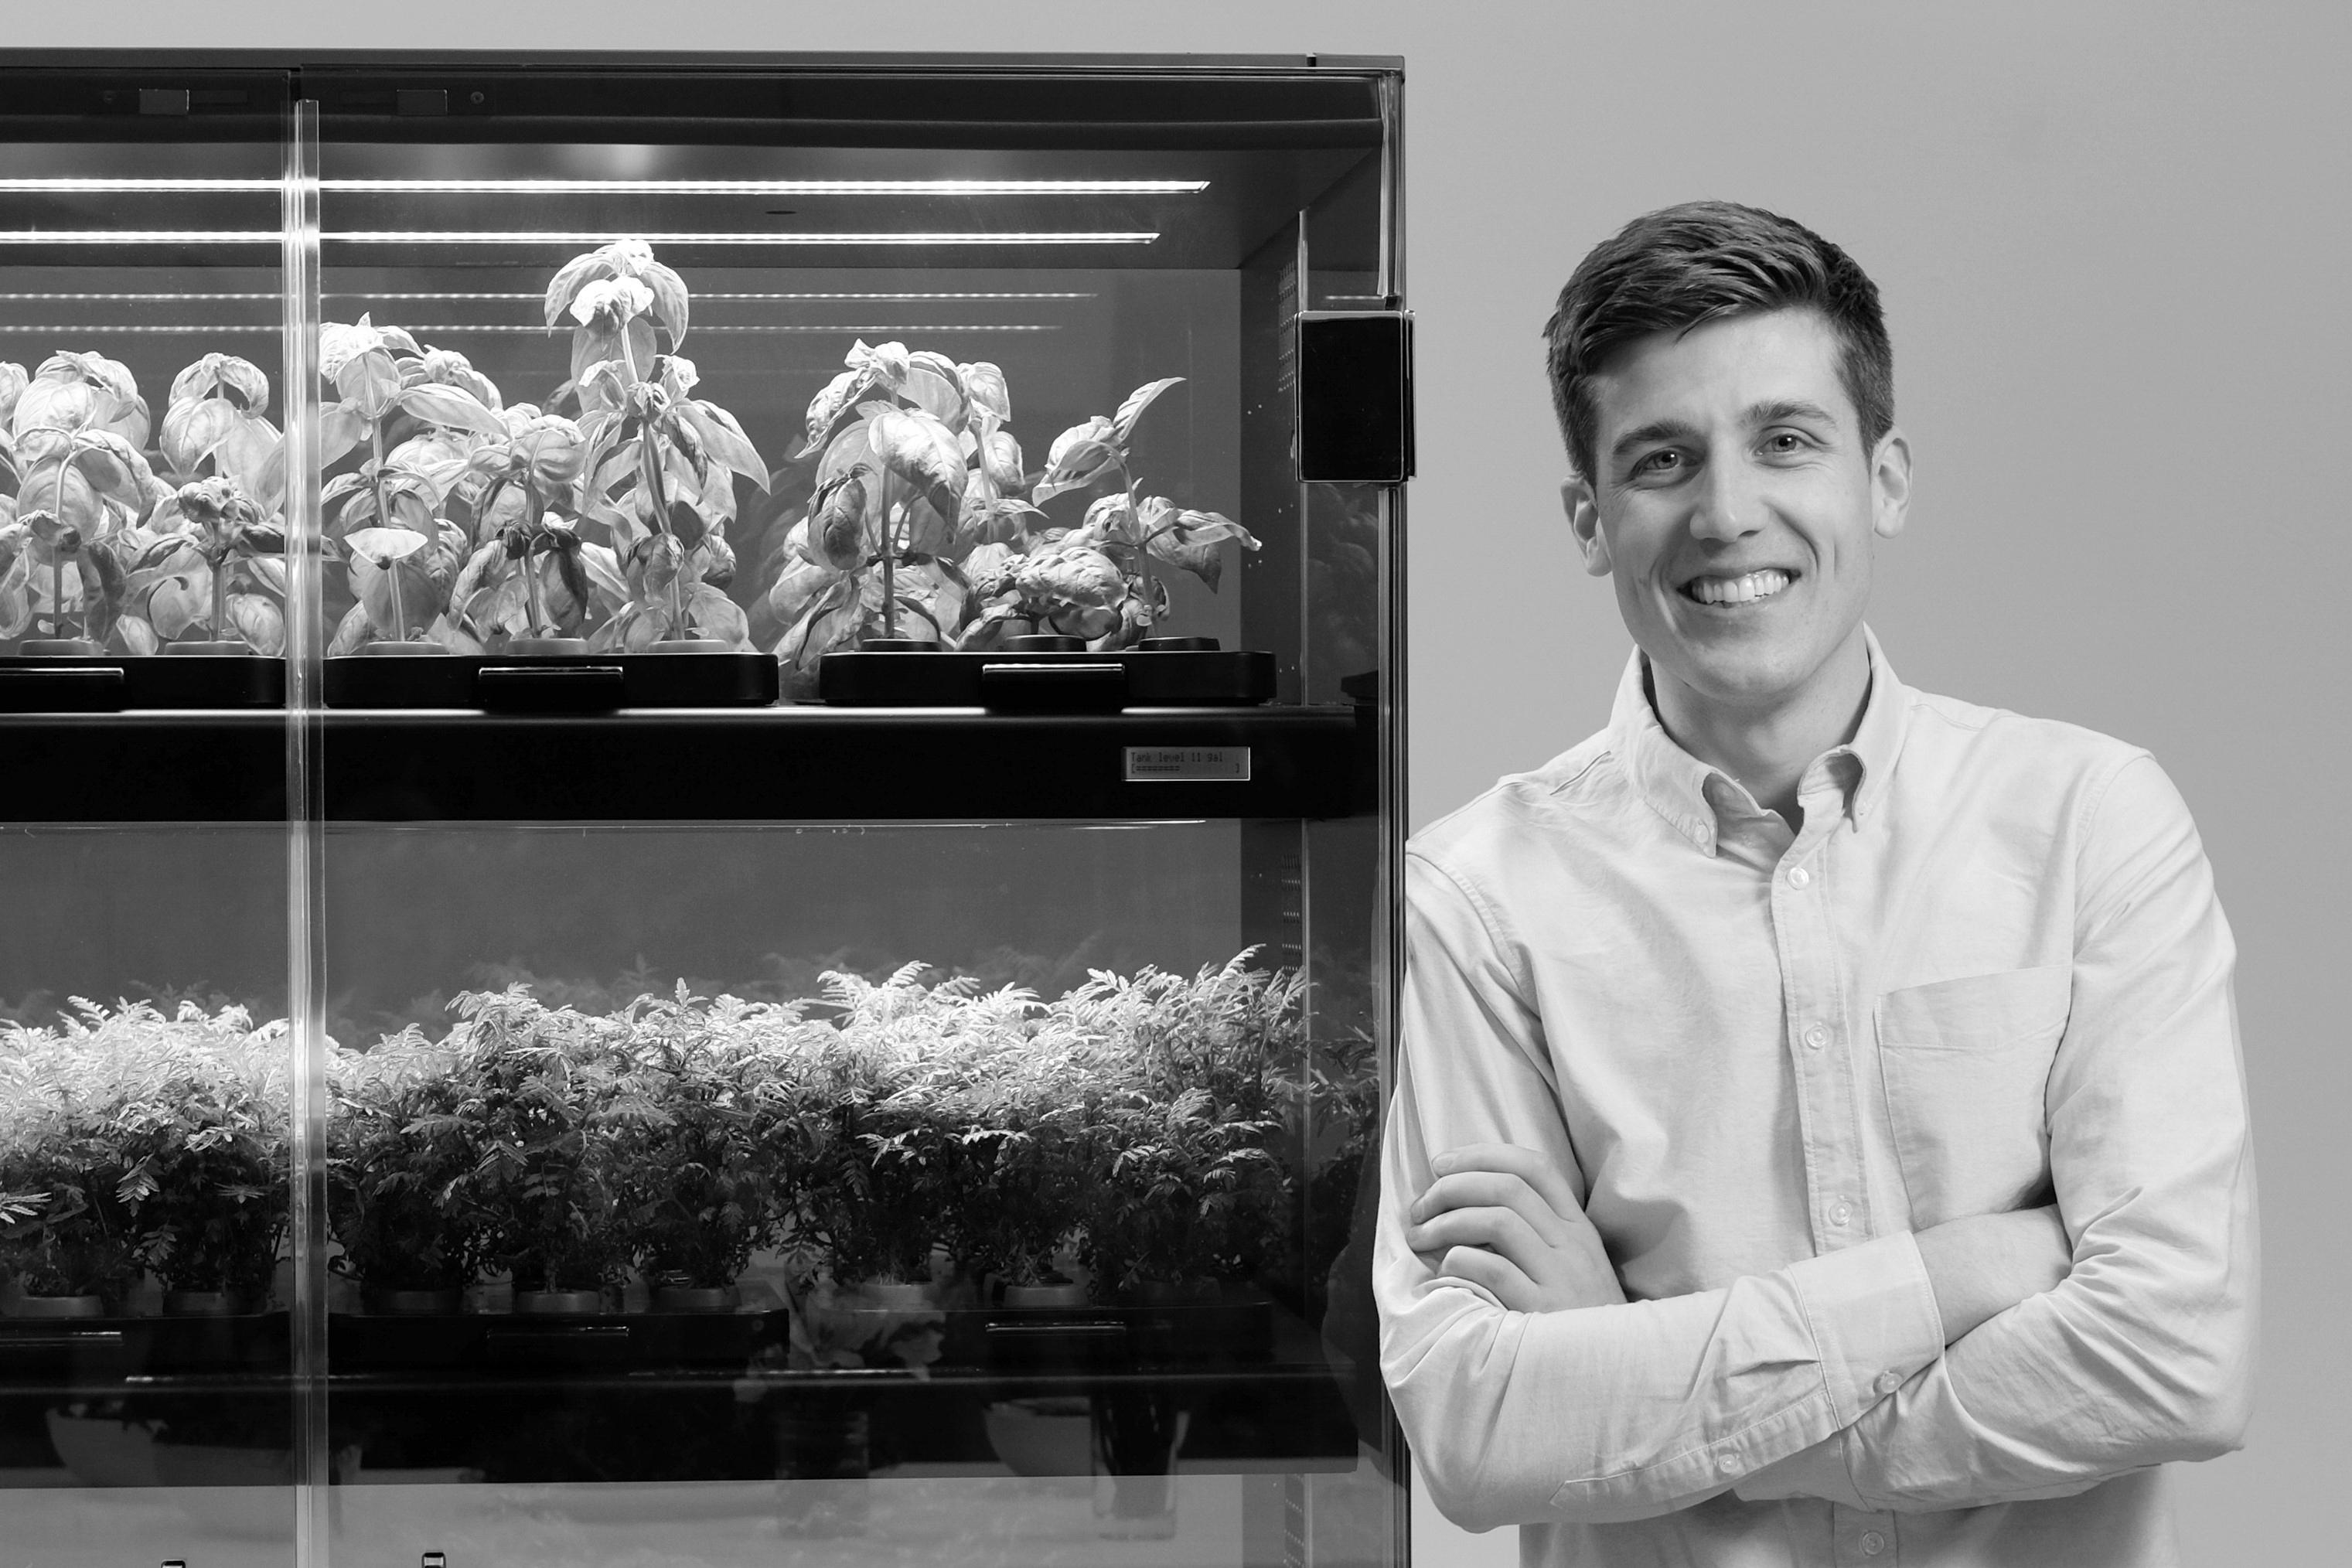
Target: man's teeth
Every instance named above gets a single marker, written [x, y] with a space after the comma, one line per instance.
[1738, 590]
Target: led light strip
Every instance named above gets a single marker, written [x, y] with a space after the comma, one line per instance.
[526, 237]
[69, 184]
[603, 237]
[415, 328]
[273, 297]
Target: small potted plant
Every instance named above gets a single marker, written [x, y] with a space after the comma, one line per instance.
[205, 1142]
[398, 1148]
[1189, 1190]
[215, 584]
[697, 1192]
[68, 1244]
[661, 464]
[419, 413]
[1096, 582]
[77, 489]
[543, 1093]
[533, 581]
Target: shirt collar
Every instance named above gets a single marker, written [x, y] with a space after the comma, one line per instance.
[1675, 783]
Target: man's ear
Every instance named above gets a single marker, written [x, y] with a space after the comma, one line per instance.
[1890, 484]
[1584, 521]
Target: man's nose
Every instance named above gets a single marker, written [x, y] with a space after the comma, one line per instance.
[1726, 505]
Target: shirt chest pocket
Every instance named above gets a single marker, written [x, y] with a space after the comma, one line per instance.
[1966, 1067]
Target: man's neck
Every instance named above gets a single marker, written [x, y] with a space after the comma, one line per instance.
[1768, 747]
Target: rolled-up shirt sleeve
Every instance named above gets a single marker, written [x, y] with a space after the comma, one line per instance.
[2145, 1353]
[1612, 1410]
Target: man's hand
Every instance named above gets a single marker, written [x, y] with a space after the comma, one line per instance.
[1503, 1219]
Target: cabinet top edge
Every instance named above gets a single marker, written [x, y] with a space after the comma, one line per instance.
[636, 62]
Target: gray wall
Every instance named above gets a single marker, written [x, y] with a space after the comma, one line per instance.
[2114, 239]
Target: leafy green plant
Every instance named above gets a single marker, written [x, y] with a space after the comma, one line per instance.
[532, 574]
[399, 1151]
[913, 466]
[1095, 581]
[186, 1117]
[543, 1097]
[419, 413]
[218, 573]
[702, 1184]
[661, 464]
[1191, 1183]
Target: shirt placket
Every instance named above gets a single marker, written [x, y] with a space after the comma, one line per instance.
[1812, 997]
[1804, 927]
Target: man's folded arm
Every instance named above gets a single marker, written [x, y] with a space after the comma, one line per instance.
[2144, 1353]
[1611, 1410]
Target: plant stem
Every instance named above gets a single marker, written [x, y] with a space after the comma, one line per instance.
[56, 557]
[661, 519]
[384, 519]
[220, 597]
[889, 572]
[1142, 549]
[531, 605]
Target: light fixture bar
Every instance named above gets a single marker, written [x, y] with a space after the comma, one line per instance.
[700, 298]
[822, 237]
[527, 236]
[69, 184]
[771, 187]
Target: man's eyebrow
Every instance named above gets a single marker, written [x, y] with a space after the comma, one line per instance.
[1783, 409]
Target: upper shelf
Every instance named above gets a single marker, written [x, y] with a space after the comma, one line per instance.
[798, 764]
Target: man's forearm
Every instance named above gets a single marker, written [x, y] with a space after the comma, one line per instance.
[1983, 1265]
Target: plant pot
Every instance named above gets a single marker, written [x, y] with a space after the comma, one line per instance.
[692, 645]
[824, 1453]
[1178, 645]
[58, 648]
[201, 1303]
[402, 649]
[559, 1304]
[1045, 642]
[59, 1307]
[546, 647]
[703, 1298]
[210, 649]
[897, 645]
[415, 1303]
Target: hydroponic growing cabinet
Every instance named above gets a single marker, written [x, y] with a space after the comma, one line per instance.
[700, 807]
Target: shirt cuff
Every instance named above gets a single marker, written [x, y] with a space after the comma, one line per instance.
[1874, 1319]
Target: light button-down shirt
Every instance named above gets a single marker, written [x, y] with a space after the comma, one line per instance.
[1986, 970]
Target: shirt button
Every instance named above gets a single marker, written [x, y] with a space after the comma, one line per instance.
[1888, 1382]
[1798, 876]
[1816, 1037]
[1726, 1463]
[1872, 1543]
[1840, 1213]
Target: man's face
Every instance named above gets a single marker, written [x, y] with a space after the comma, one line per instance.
[1735, 505]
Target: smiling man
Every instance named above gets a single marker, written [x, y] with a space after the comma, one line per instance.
[1819, 1135]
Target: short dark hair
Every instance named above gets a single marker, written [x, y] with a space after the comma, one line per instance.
[1671, 269]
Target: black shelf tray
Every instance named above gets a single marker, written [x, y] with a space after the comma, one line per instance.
[1049, 682]
[567, 683]
[710, 765]
[102, 683]
[94, 1351]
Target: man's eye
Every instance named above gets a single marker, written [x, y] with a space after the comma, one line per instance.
[1784, 443]
[1665, 462]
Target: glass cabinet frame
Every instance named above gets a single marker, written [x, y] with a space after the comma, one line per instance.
[1293, 770]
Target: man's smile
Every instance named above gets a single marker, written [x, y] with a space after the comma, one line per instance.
[1723, 592]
